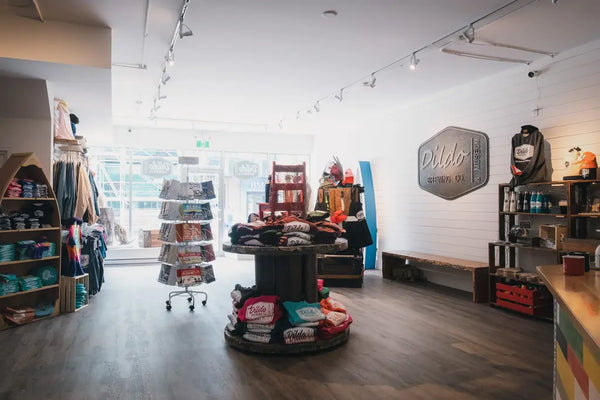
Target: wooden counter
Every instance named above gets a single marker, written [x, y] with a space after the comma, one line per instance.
[576, 331]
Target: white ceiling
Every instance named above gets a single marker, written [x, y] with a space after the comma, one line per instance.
[261, 61]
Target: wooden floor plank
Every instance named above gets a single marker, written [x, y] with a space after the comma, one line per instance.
[408, 341]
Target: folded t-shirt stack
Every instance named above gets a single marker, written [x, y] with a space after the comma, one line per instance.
[14, 189]
[30, 249]
[304, 318]
[27, 185]
[258, 319]
[5, 223]
[29, 282]
[40, 190]
[7, 252]
[336, 319]
[9, 283]
[284, 231]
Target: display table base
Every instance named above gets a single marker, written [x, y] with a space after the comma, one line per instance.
[280, 348]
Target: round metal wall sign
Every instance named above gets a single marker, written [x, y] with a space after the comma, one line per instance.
[454, 162]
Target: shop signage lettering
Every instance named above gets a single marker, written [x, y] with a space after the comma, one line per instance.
[187, 160]
[454, 162]
[245, 169]
[156, 167]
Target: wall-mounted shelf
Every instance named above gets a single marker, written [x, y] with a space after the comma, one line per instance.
[533, 214]
[28, 261]
[54, 228]
[27, 199]
[29, 291]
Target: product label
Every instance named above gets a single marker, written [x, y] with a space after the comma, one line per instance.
[260, 310]
[524, 152]
[299, 335]
[309, 313]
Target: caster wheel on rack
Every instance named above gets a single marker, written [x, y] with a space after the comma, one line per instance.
[192, 308]
[203, 302]
[168, 307]
[189, 299]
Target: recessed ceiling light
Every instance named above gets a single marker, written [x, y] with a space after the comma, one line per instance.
[329, 14]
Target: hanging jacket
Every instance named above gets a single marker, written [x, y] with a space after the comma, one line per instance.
[527, 159]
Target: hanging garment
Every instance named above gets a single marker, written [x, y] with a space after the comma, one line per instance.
[62, 121]
[93, 252]
[357, 230]
[321, 204]
[95, 193]
[527, 158]
[85, 202]
[73, 248]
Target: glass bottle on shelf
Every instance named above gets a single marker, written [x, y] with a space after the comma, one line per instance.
[520, 202]
[513, 201]
[544, 203]
[526, 202]
[506, 205]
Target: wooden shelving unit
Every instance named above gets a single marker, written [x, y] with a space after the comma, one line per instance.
[503, 254]
[26, 165]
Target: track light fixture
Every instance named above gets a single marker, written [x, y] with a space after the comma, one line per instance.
[469, 34]
[181, 30]
[465, 34]
[370, 82]
[184, 30]
[161, 96]
[414, 61]
[171, 57]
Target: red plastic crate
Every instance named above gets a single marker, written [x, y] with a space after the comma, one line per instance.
[523, 300]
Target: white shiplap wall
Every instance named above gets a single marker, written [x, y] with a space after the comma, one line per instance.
[568, 95]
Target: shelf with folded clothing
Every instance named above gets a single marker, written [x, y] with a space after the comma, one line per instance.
[28, 261]
[28, 199]
[30, 245]
[29, 291]
[186, 235]
[13, 231]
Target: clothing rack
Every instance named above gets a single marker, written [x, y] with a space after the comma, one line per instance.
[76, 190]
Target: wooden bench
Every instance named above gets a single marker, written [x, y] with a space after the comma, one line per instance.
[392, 260]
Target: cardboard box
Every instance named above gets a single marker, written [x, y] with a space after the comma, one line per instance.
[552, 236]
[149, 238]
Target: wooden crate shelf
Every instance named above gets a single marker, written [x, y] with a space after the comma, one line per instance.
[68, 292]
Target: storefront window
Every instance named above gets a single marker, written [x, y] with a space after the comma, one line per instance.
[130, 180]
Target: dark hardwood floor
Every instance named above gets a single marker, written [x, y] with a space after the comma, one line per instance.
[406, 342]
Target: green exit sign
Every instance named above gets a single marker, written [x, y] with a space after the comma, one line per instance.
[203, 144]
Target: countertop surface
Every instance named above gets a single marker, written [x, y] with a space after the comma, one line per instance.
[580, 295]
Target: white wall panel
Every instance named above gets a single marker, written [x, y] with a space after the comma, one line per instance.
[567, 92]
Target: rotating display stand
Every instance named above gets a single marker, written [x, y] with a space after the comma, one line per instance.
[186, 235]
[289, 272]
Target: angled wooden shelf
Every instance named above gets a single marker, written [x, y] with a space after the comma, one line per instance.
[20, 293]
[27, 166]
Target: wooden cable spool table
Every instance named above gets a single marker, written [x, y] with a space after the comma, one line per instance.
[289, 272]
